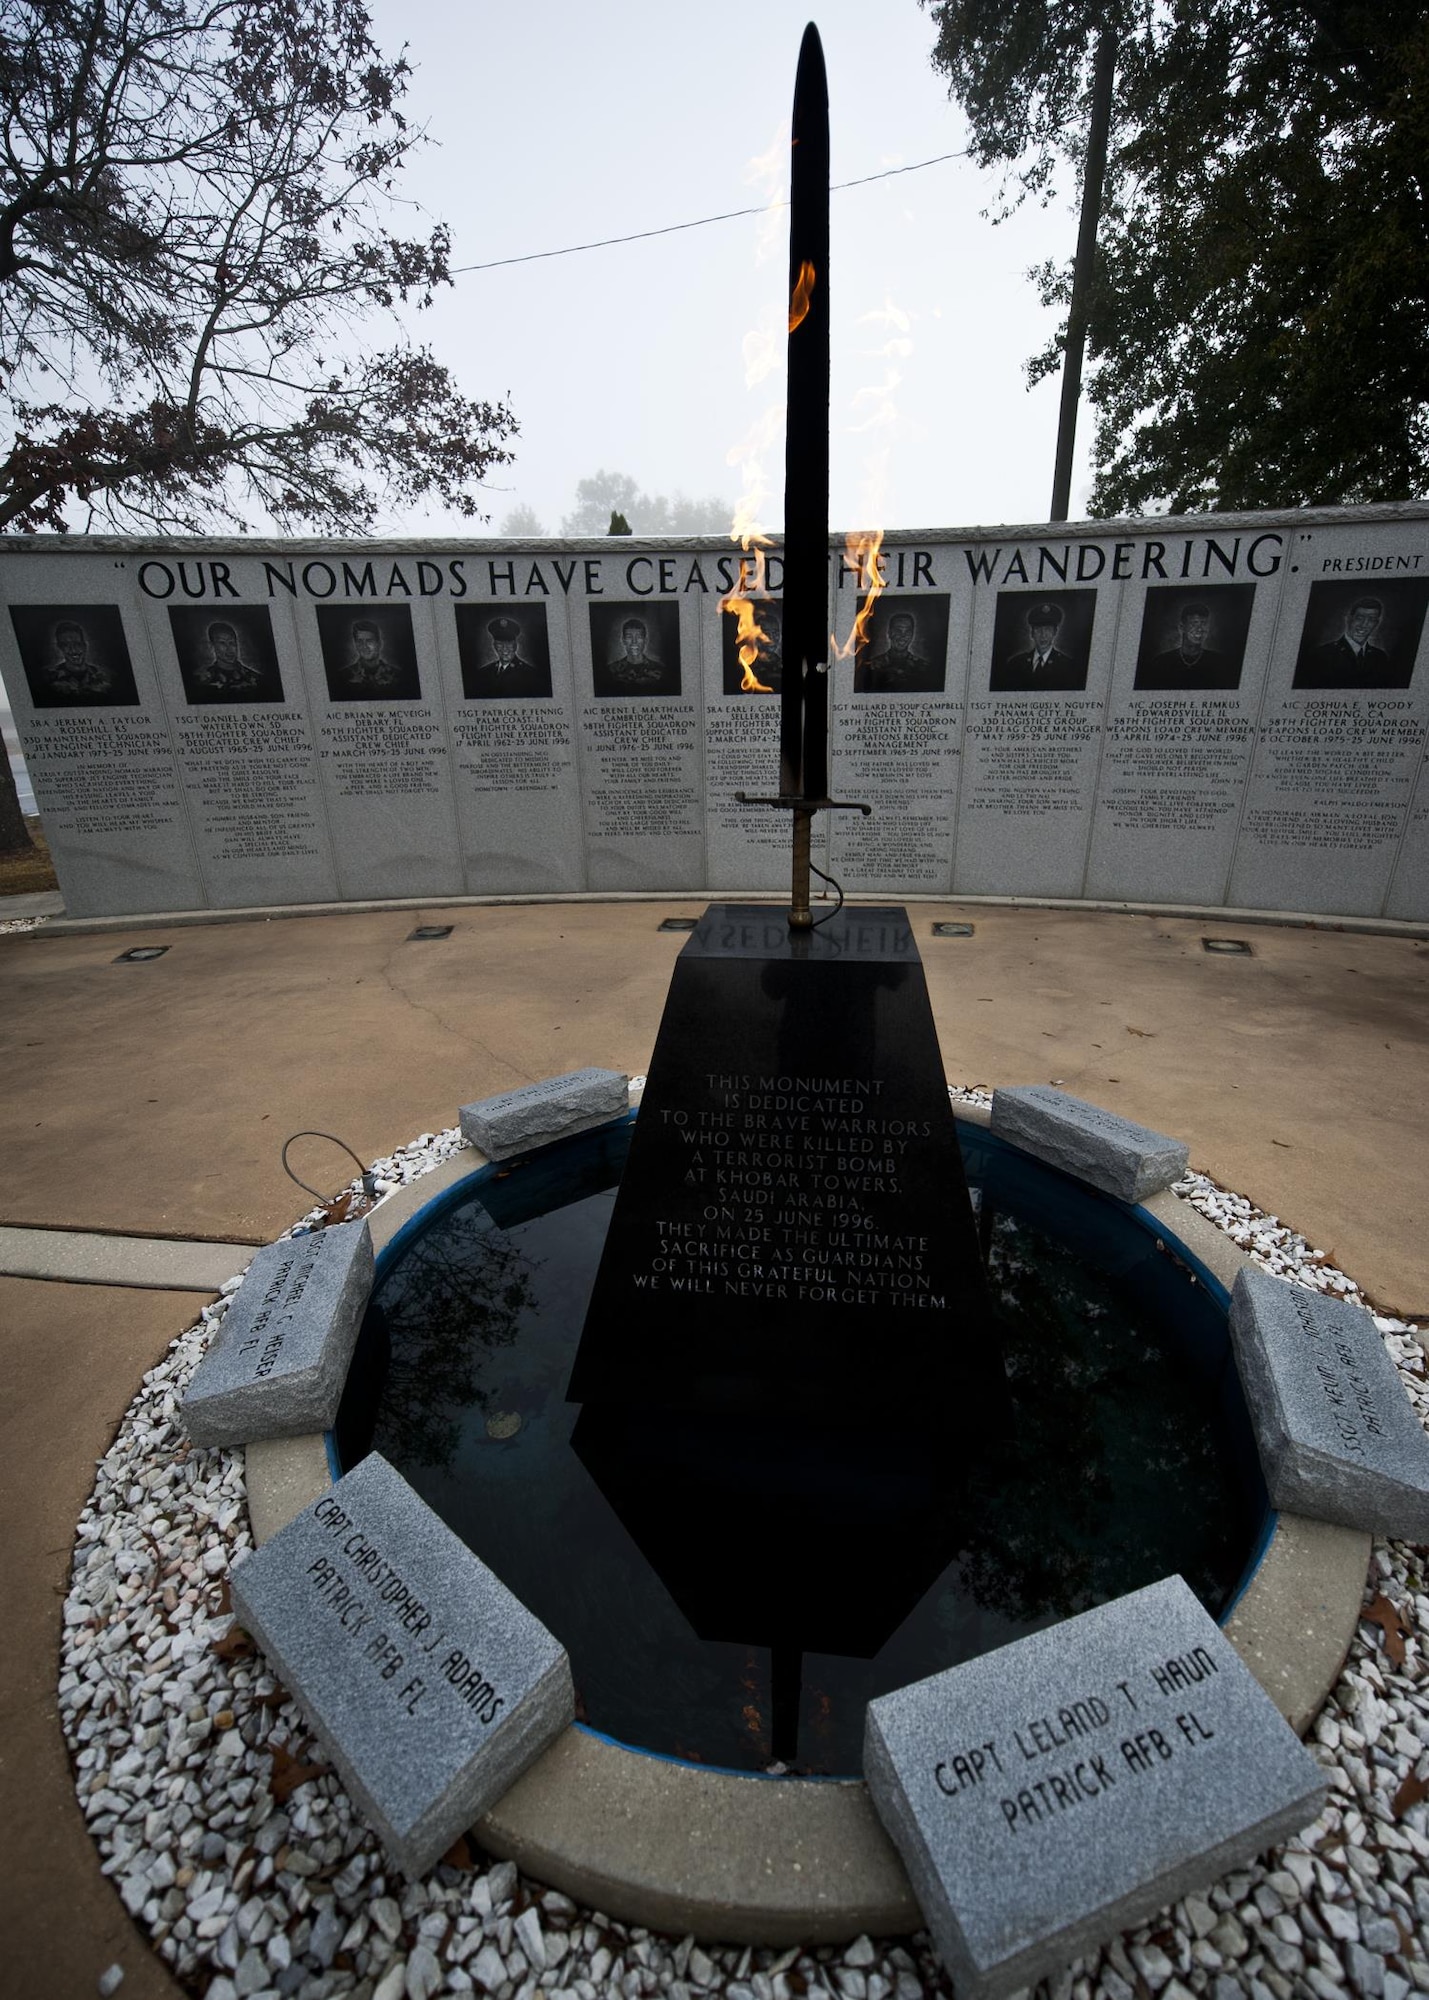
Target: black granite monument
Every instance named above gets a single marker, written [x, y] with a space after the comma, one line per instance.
[789, 1373]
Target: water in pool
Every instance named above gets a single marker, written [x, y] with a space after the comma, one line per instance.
[729, 1590]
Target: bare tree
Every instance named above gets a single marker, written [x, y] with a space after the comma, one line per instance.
[194, 198]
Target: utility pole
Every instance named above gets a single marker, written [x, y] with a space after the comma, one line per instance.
[1103, 76]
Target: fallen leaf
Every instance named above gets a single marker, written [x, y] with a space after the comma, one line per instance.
[351, 1202]
[234, 1645]
[1390, 1621]
[458, 1855]
[1147, 1034]
[1412, 1792]
[288, 1773]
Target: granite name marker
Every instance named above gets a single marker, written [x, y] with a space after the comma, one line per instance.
[1127, 1160]
[428, 1684]
[515, 1121]
[1339, 1438]
[279, 1363]
[1057, 1790]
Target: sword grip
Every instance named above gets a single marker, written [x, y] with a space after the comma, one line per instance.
[800, 915]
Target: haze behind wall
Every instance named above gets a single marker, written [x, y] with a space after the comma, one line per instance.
[559, 126]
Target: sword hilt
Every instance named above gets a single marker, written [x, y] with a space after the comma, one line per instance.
[800, 914]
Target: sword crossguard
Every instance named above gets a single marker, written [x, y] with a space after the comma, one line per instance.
[791, 802]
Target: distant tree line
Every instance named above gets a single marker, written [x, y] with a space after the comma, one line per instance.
[610, 497]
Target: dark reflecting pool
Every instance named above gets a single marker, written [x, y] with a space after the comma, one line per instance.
[1126, 1454]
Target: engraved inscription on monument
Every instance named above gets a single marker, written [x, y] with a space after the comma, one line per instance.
[794, 1178]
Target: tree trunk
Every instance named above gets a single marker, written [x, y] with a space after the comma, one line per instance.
[14, 834]
[1103, 76]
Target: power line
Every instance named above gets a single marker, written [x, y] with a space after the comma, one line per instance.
[700, 222]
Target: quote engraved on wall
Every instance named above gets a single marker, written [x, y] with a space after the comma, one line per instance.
[1221, 712]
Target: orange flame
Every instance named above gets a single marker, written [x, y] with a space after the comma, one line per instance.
[803, 292]
[861, 551]
[751, 635]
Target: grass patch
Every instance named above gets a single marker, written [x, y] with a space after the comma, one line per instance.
[25, 874]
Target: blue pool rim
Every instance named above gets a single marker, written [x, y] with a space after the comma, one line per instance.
[1152, 1225]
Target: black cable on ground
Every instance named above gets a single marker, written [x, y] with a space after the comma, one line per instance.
[369, 1179]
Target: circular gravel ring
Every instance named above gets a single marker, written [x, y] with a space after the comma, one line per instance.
[783, 1861]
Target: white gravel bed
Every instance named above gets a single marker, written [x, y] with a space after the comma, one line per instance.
[240, 1856]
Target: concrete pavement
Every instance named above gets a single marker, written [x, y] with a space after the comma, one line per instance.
[78, 1257]
[152, 1100]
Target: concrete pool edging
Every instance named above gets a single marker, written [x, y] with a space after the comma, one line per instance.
[750, 1860]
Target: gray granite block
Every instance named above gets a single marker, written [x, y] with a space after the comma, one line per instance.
[1127, 1160]
[1339, 1438]
[428, 1684]
[279, 1363]
[515, 1121]
[1055, 1791]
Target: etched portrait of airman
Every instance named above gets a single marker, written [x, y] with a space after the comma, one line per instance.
[1193, 637]
[505, 654]
[904, 648]
[74, 656]
[369, 655]
[226, 656]
[1361, 638]
[1041, 643]
[635, 649]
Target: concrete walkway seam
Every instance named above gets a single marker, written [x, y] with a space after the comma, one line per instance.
[79, 1257]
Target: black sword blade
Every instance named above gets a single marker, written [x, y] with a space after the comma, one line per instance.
[803, 718]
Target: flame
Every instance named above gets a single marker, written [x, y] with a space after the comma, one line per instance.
[803, 292]
[861, 552]
[751, 635]
[762, 355]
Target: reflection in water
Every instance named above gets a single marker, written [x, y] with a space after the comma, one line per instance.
[1129, 1457]
[1106, 1479]
[431, 1340]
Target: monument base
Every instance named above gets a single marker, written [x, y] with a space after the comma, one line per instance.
[789, 1367]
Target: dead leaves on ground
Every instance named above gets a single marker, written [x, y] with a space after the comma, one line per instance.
[1392, 1626]
[289, 1771]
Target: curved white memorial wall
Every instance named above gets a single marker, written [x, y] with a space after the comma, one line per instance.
[1215, 710]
